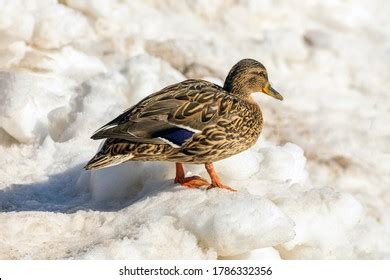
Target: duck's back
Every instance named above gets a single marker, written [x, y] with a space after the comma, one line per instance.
[192, 121]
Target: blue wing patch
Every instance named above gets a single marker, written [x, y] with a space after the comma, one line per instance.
[175, 135]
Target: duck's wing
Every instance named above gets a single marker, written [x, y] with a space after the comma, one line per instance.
[171, 115]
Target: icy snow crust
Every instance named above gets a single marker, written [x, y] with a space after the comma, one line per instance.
[67, 69]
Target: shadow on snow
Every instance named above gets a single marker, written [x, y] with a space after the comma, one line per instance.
[60, 193]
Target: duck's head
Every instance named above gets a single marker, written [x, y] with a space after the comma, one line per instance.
[248, 76]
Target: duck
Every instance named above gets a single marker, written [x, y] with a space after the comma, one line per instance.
[190, 122]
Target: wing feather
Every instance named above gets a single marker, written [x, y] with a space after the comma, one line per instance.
[190, 105]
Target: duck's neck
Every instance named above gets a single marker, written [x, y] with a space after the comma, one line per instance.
[237, 88]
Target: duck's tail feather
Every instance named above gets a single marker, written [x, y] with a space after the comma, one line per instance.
[102, 161]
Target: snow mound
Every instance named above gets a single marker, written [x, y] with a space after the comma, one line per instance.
[25, 102]
[206, 219]
[58, 25]
[333, 217]
[162, 239]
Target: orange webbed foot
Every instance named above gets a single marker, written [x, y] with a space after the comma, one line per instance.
[192, 182]
[198, 182]
[221, 186]
[189, 182]
[215, 181]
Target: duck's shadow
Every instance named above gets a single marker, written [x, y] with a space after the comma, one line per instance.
[62, 193]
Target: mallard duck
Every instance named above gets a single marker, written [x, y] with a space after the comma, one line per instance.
[194, 121]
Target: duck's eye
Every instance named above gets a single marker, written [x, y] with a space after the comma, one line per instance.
[253, 81]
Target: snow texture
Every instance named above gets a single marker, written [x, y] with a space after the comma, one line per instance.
[315, 185]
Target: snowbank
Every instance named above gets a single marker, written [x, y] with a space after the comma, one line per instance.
[315, 185]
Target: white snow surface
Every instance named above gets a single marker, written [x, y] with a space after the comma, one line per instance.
[315, 186]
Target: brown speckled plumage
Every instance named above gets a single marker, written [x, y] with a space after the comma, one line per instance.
[221, 121]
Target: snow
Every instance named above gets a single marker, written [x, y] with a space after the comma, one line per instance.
[185, 212]
[315, 185]
[58, 25]
[26, 100]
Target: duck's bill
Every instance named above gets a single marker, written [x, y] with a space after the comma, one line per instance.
[271, 92]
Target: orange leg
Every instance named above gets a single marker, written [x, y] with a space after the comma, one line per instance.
[215, 181]
[189, 182]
